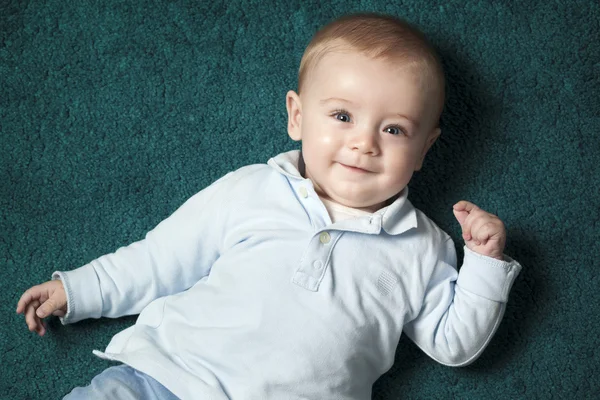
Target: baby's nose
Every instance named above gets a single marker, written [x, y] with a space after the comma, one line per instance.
[365, 141]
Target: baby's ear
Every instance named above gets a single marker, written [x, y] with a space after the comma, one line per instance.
[431, 138]
[294, 110]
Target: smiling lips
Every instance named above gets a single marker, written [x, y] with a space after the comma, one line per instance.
[354, 169]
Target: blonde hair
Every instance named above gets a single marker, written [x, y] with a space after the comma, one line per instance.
[377, 36]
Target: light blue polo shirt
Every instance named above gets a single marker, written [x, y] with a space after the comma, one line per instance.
[249, 291]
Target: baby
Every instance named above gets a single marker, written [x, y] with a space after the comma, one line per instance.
[295, 279]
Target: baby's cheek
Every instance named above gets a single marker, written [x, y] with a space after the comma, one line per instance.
[403, 168]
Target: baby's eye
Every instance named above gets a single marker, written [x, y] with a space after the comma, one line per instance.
[394, 130]
[342, 116]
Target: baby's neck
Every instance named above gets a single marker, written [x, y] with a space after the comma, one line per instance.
[338, 212]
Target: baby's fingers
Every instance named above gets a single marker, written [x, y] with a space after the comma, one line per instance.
[54, 303]
[487, 228]
[34, 323]
[30, 295]
[482, 233]
[464, 205]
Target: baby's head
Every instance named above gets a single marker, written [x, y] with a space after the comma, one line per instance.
[370, 94]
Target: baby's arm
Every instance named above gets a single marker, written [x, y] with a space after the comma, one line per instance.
[40, 301]
[171, 258]
[461, 311]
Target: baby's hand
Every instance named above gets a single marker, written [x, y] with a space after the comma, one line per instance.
[40, 301]
[483, 232]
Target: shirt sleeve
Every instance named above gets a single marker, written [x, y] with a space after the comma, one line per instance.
[171, 258]
[461, 311]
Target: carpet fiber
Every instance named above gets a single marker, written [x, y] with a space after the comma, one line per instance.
[113, 113]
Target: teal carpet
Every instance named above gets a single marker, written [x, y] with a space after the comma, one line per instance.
[112, 113]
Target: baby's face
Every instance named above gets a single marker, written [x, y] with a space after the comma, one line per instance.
[365, 127]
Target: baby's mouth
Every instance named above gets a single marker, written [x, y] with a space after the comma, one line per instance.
[353, 168]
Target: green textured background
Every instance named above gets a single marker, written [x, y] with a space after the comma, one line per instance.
[113, 113]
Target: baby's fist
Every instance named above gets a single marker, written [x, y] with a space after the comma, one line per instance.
[484, 233]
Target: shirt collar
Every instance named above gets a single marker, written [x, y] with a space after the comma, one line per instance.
[287, 164]
[396, 218]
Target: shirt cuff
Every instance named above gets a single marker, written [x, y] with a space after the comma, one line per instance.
[84, 299]
[488, 277]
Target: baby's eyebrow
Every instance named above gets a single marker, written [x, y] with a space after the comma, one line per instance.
[413, 122]
[338, 99]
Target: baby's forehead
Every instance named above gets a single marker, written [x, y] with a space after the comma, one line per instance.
[399, 59]
[401, 66]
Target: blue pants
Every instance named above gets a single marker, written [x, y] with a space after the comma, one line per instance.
[122, 382]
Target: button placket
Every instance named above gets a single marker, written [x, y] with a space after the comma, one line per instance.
[315, 261]
[315, 211]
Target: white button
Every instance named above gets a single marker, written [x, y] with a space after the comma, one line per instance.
[303, 192]
[324, 237]
[318, 264]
